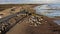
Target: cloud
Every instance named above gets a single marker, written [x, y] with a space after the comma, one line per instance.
[29, 1]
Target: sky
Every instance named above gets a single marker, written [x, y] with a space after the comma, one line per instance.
[28, 1]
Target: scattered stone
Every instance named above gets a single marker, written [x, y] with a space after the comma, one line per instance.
[0, 32]
[35, 21]
[0, 17]
[35, 25]
[45, 21]
[41, 19]
[39, 22]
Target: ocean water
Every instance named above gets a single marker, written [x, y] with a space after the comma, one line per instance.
[49, 13]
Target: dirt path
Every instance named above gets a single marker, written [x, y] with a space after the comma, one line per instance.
[18, 28]
[23, 27]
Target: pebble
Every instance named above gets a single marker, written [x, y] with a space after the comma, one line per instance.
[35, 21]
[35, 25]
[41, 19]
[0, 31]
[0, 17]
[31, 22]
[45, 21]
[32, 16]
[17, 15]
[39, 22]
